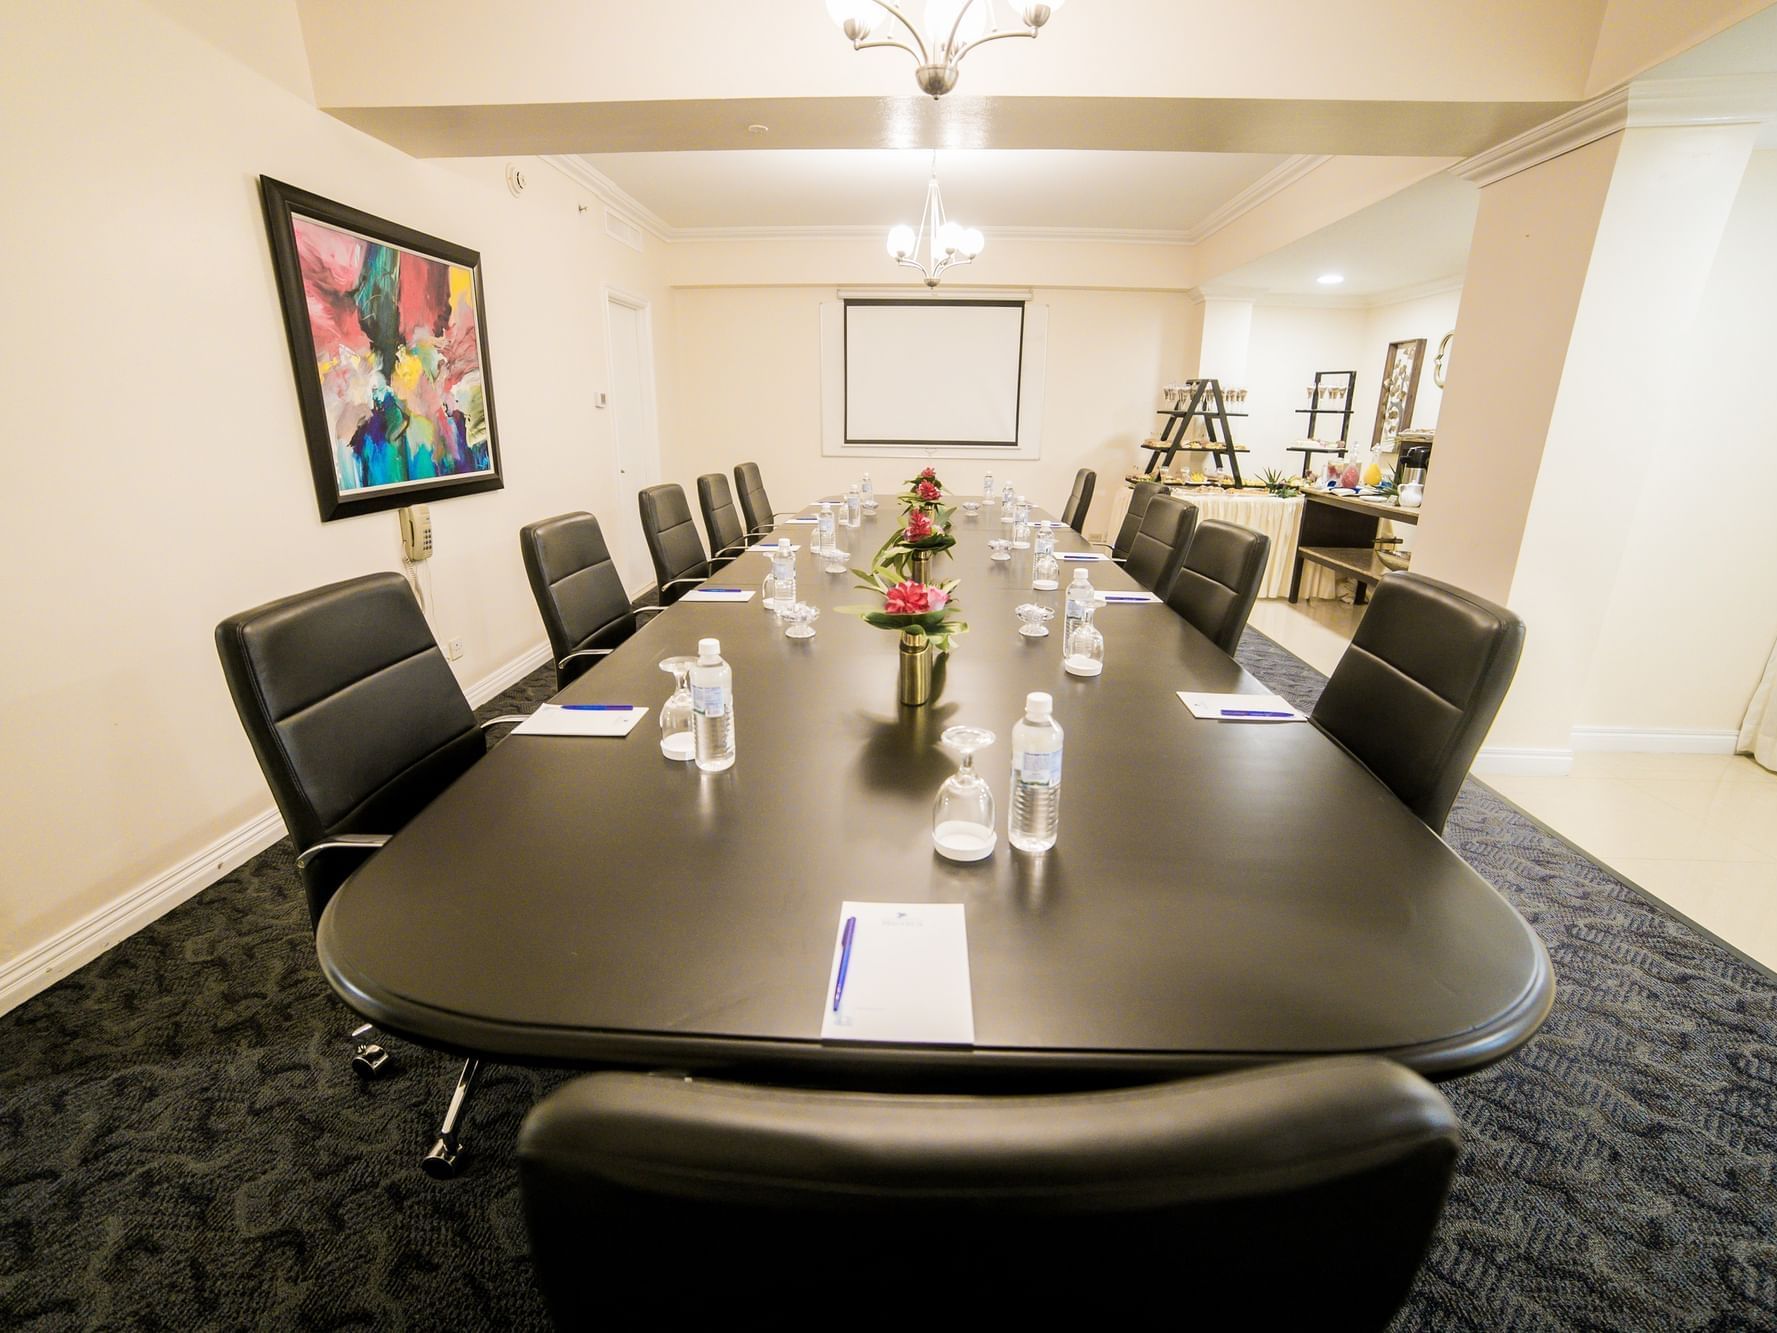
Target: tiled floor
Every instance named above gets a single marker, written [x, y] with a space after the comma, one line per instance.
[1698, 831]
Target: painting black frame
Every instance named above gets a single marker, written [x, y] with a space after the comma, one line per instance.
[282, 202]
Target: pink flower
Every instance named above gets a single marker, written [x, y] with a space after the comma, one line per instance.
[936, 598]
[930, 474]
[928, 491]
[910, 599]
[919, 525]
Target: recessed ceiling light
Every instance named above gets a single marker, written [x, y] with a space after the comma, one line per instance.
[758, 129]
[1330, 279]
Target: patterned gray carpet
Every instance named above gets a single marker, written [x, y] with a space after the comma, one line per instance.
[182, 1145]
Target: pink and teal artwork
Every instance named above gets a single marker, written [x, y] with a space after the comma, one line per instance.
[385, 329]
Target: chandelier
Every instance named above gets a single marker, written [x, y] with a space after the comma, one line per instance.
[953, 29]
[948, 244]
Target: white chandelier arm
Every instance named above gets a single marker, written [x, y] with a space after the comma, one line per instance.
[993, 36]
[951, 53]
[922, 55]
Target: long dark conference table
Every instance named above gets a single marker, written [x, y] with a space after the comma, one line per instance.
[1222, 893]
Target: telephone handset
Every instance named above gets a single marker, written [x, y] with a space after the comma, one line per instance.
[416, 532]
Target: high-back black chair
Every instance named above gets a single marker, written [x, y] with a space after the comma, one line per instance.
[1143, 492]
[721, 522]
[1220, 579]
[1418, 687]
[357, 723]
[1161, 543]
[1073, 513]
[585, 610]
[673, 543]
[1303, 1195]
[755, 504]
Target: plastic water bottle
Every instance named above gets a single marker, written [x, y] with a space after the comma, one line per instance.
[1006, 500]
[854, 508]
[827, 535]
[1081, 596]
[783, 574]
[867, 492]
[1021, 525]
[987, 488]
[1036, 776]
[712, 707]
[1045, 571]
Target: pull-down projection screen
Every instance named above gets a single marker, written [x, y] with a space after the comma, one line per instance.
[927, 372]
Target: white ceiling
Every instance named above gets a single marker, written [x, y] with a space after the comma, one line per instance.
[1412, 238]
[1168, 194]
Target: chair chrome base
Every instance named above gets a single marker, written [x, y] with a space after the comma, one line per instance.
[442, 1162]
[368, 1059]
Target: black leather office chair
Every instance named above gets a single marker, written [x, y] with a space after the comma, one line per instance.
[1219, 581]
[1073, 513]
[721, 522]
[1300, 1195]
[755, 504]
[585, 610]
[673, 543]
[1419, 686]
[357, 723]
[1161, 544]
[1138, 508]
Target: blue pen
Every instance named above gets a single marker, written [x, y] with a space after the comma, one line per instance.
[600, 708]
[724, 590]
[1252, 712]
[851, 926]
[1120, 597]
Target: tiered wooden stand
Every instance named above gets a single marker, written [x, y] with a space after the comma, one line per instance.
[1316, 412]
[1206, 404]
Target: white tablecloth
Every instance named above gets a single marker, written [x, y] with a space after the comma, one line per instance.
[1277, 518]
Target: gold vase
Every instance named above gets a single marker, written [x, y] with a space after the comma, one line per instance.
[921, 567]
[916, 667]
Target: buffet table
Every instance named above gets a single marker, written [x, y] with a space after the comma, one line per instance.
[1278, 518]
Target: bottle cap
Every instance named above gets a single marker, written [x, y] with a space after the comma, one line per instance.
[1079, 576]
[1039, 706]
[708, 650]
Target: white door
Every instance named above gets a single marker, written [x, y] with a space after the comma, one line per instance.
[632, 409]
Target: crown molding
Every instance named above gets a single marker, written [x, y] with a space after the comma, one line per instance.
[1268, 186]
[1724, 99]
[1586, 123]
[616, 198]
[612, 195]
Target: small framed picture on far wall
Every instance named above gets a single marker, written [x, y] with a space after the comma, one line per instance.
[1400, 388]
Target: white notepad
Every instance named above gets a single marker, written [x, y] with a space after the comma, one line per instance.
[719, 595]
[769, 548]
[561, 720]
[1240, 707]
[1131, 598]
[907, 979]
[810, 518]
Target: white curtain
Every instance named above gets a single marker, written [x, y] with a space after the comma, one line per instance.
[1758, 734]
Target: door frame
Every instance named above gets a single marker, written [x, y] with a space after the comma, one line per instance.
[644, 309]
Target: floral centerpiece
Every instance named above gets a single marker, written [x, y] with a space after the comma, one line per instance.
[909, 549]
[924, 616]
[923, 492]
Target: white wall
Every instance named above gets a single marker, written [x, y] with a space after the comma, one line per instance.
[747, 360]
[159, 474]
[1429, 317]
[1290, 343]
[1701, 554]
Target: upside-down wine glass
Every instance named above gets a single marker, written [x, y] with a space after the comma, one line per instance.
[963, 817]
[677, 718]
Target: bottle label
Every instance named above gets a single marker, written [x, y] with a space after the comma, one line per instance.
[1076, 610]
[709, 700]
[1037, 768]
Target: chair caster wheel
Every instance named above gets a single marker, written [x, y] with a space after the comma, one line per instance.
[369, 1061]
[442, 1162]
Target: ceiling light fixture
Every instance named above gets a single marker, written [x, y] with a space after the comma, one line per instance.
[1330, 279]
[948, 244]
[953, 29]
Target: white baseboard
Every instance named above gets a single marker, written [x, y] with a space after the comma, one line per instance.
[1628, 740]
[1515, 761]
[46, 963]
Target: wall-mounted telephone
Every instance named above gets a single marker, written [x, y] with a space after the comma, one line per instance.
[416, 532]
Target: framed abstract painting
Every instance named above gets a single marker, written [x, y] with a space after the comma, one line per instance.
[389, 343]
